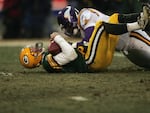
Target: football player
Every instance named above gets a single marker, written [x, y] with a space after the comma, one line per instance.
[135, 45]
[93, 24]
[68, 60]
[98, 56]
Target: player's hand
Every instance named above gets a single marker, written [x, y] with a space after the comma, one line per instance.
[53, 35]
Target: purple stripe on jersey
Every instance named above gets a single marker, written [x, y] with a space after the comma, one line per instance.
[88, 32]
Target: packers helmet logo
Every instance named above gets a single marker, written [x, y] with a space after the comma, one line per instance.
[25, 59]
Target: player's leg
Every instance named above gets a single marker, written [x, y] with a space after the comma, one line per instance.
[127, 18]
[96, 55]
[138, 49]
[101, 46]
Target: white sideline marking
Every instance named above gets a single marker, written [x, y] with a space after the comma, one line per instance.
[119, 54]
[12, 43]
[5, 74]
[78, 98]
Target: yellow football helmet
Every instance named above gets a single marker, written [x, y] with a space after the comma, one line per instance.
[30, 56]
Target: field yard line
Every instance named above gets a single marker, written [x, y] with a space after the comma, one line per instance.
[20, 42]
[78, 98]
[119, 54]
[24, 42]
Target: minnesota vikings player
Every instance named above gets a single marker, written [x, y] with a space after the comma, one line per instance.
[98, 55]
[98, 43]
[135, 45]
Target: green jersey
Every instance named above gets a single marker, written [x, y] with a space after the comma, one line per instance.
[77, 65]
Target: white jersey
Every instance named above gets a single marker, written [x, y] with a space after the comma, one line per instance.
[136, 47]
[67, 54]
[88, 17]
[130, 43]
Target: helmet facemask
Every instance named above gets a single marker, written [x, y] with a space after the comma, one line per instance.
[71, 30]
[67, 19]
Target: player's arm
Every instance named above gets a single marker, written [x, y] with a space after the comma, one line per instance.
[118, 29]
[87, 34]
[85, 26]
[67, 54]
[128, 18]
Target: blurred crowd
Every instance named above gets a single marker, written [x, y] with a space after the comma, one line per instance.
[110, 6]
[25, 18]
[31, 18]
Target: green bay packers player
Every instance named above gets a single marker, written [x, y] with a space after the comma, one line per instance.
[68, 60]
[100, 32]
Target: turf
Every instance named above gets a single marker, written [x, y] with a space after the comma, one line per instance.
[123, 88]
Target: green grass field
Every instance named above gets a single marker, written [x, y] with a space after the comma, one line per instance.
[123, 88]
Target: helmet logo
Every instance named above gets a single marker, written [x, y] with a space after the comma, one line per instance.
[25, 59]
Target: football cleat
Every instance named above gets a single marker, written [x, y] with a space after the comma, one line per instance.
[143, 18]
